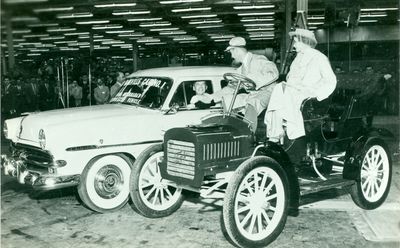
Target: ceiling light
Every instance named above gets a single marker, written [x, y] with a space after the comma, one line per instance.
[74, 15]
[131, 35]
[147, 40]
[262, 38]
[261, 34]
[142, 12]
[93, 22]
[113, 42]
[163, 29]
[33, 54]
[53, 9]
[65, 42]
[24, 1]
[172, 32]
[221, 40]
[19, 40]
[24, 19]
[222, 36]
[184, 38]
[190, 9]
[315, 17]
[256, 19]
[210, 26]
[35, 25]
[53, 38]
[199, 16]
[258, 24]
[315, 23]
[189, 41]
[111, 26]
[119, 31]
[35, 35]
[101, 48]
[155, 43]
[259, 29]
[30, 43]
[206, 21]
[373, 15]
[180, 1]
[379, 9]
[144, 19]
[269, 6]
[113, 5]
[68, 49]
[83, 37]
[155, 24]
[79, 33]
[60, 29]
[368, 21]
[256, 13]
[21, 31]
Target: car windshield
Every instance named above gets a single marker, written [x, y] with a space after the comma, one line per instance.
[149, 92]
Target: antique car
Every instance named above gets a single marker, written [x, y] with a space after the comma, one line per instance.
[94, 147]
[261, 182]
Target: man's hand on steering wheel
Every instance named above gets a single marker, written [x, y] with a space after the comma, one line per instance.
[235, 78]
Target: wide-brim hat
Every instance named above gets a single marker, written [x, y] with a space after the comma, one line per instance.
[236, 42]
[303, 33]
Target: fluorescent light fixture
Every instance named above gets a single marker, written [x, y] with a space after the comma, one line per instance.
[101, 48]
[119, 31]
[35, 35]
[258, 24]
[21, 31]
[223, 36]
[65, 42]
[172, 32]
[24, 1]
[163, 29]
[24, 19]
[379, 9]
[101, 40]
[155, 24]
[209, 26]
[114, 5]
[33, 54]
[184, 38]
[189, 41]
[19, 40]
[93, 22]
[205, 21]
[30, 43]
[144, 19]
[373, 15]
[191, 9]
[83, 37]
[199, 16]
[221, 40]
[257, 19]
[79, 44]
[315, 17]
[131, 35]
[262, 38]
[256, 14]
[78, 33]
[368, 21]
[180, 1]
[315, 23]
[111, 26]
[312, 28]
[53, 38]
[74, 15]
[269, 6]
[60, 29]
[39, 50]
[36, 25]
[52, 9]
[259, 29]
[129, 12]
[261, 35]
[113, 42]
[28, 60]
[68, 49]
[148, 40]
[155, 43]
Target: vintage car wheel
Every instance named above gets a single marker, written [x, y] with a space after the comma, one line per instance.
[256, 203]
[104, 185]
[375, 177]
[152, 196]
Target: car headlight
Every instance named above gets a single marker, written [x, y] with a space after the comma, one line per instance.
[42, 139]
[5, 130]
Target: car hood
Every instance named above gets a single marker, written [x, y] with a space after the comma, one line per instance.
[95, 125]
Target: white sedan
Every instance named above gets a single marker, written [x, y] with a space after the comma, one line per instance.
[94, 147]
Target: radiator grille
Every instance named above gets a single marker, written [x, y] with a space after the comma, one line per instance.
[180, 158]
[221, 150]
[32, 156]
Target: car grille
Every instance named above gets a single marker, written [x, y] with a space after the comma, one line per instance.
[221, 150]
[33, 157]
[180, 159]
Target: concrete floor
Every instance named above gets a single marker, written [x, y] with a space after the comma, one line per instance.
[56, 219]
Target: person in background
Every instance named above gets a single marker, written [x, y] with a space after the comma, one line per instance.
[75, 93]
[118, 83]
[31, 94]
[310, 76]
[46, 95]
[101, 92]
[8, 98]
[202, 99]
[85, 90]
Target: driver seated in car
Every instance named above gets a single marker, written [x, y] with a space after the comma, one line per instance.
[202, 99]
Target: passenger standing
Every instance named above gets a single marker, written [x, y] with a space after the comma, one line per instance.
[101, 92]
[115, 87]
[310, 76]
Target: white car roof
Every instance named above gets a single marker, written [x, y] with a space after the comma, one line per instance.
[174, 72]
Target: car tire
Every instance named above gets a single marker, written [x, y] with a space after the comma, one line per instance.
[151, 195]
[104, 185]
[250, 221]
[371, 190]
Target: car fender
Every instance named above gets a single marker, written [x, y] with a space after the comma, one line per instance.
[277, 153]
[353, 157]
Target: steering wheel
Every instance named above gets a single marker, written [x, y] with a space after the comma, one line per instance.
[234, 78]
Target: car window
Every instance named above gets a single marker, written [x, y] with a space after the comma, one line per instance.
[148, 92]
[185, 92]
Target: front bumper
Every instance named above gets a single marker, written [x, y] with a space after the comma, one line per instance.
[38, 180]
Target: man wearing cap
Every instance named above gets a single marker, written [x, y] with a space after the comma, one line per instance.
[310, 76]
[256, 67]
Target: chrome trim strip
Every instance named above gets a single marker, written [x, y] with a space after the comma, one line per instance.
[91, 147]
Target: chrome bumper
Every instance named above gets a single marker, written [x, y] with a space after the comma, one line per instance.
[16, 168]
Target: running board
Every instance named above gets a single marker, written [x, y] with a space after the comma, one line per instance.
[314, 187]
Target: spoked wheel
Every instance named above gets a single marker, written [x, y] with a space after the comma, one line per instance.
[152, 196]
[105, 183]
[256, 203]
[375, 177]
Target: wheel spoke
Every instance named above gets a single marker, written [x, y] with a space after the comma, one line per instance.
[265, 215]
[168, 192]
[150, 191]
[246, 219]
[252, 223]
[162, 196]
[145, 185]
[369, 186]
[264, 180]
[156, 196]
[259, 223]
[243, 198]
[272, 208]
[245, 208]
[270, 197]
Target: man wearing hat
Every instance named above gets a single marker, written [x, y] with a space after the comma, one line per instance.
[256, 67]
[310, 76]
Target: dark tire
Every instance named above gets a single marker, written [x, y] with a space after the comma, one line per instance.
[259, 216]
[375, 176]
[104, 185]
[152, 196]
